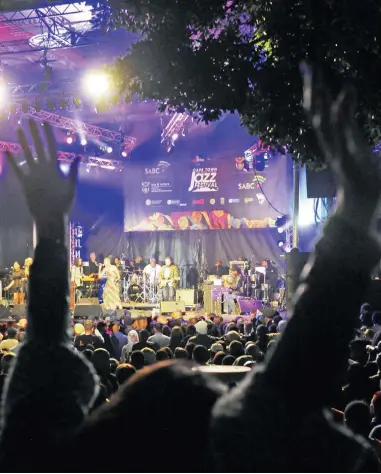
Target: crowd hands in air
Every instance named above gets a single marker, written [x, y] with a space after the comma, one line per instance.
[308, 403]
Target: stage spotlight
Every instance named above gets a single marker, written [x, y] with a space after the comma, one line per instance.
[124, 153]
[77, 102]
[3, 92]
[70, 139]
[83, 141]
[109, 149]
[97, 83]
[281, 243]
[281, 221]
[280, 230]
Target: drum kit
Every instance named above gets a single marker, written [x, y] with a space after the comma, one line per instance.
[137, 287]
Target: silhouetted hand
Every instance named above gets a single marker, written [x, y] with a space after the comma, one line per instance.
[48, 192]
[344, 147]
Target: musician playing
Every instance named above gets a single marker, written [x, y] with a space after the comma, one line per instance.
[93, 265]
[76, 278]
[168, 279]
[27, 264]
[219, 270]
[235, 286]
[139, 264]
[16, 285]
[151, 272]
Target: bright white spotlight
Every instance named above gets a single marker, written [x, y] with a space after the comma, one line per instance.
[83, 141]
[109, 149]
[281, 243]
[3, 92]
[280, 229]
[124, 154]
[97, 83]
[175, 136]
[69, 140]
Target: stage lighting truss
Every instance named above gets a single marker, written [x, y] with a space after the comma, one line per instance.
[68, 157]
[174, 129]
[62, 26]
[76, 126]
[257, 157]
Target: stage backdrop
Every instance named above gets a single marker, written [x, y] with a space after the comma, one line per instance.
[206, 193]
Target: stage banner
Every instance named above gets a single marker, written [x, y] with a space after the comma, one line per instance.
[206, 193]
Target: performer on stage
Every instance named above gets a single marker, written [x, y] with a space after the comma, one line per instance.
[235, 285]
[219, 270]
[93, 264]
[151, 272]
[120, 268]
[17, 285]
[111, 294]
[168, 280]
[76, 278]
[139, 264]
[27, 264]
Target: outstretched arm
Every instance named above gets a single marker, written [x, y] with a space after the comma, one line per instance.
[50, 387]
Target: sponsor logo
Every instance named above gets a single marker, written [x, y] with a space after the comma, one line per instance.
[149, 187]
[173, 202]
[261, 198]
[233, 201]
[247, 200]
[212, 201]
[183, 204]
[240, 163]
[160, 168]
[145, 187]
[154, 202]
[253, 185]
[222, 200]
[199, 202]
[203, 180]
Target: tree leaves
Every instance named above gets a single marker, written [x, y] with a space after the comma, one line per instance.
[211, 56]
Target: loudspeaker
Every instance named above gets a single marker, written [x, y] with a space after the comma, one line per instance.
[186, 295]
[88, 301]
[88, 311]
[320, 184]
[170, 306]
[113, 314]
[295, 262]
[248, 305]
[19, 311]
[4, 312]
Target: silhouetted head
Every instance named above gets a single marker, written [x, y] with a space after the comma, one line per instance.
[357, 417]
[181, 353]
[153, 387]
[161, 355]
[200, 354]
[124, 372]
[228, 360]
[137, 360]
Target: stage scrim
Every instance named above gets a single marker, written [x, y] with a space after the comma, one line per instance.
[205, 193]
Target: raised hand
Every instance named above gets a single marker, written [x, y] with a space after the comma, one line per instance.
[49, 193]
[344, 147]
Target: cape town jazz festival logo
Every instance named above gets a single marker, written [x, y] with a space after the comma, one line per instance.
[203, 180]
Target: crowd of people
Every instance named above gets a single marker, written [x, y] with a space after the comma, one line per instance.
[310, 399]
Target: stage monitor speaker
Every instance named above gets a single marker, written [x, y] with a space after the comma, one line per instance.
[186, 295]
[4, 312]
[171, 306]
[113, 314]
[19, 312]
[88, 301]
[248, 305]
[88, 311]
[320, 184]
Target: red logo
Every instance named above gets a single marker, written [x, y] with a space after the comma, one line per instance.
[199, 202]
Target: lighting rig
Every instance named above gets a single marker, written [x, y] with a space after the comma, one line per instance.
[68, 157]
[173, 130]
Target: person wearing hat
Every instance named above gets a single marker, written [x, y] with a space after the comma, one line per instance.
[214, 348]
[202, 337]
[87, 337]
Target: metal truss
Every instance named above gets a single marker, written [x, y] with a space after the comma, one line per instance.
[175, 126]
[63, 87]
[59, 32]
[68, 157]
[79, 127]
